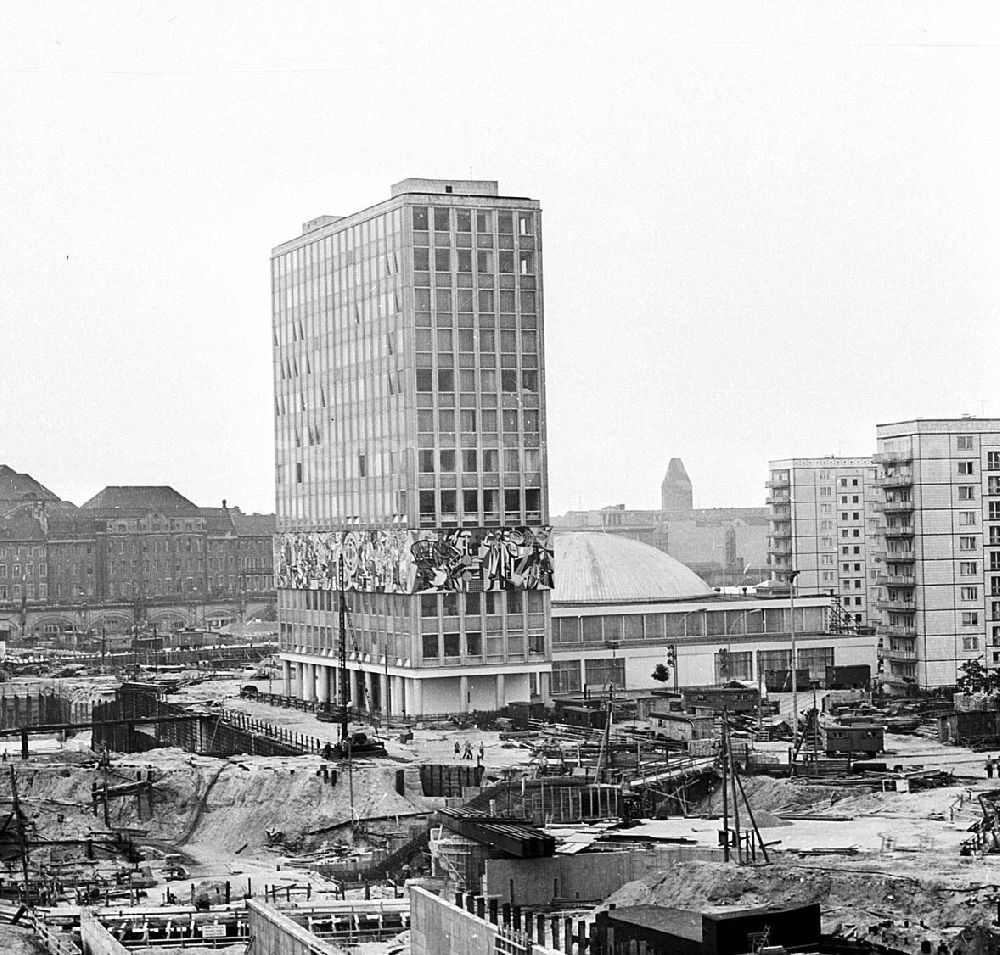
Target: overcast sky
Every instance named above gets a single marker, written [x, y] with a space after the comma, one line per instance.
[768, 226]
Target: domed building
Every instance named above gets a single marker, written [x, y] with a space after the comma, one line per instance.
[620, 607]
[597, 568]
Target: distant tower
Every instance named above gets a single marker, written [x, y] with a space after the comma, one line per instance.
[675, 491]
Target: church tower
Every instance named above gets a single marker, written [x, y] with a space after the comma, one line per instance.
[675, 492]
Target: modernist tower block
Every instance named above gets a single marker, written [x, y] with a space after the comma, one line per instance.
[410, 451]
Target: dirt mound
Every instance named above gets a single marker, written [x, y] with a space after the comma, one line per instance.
[243, 802]
[772, 795]
[213, 806]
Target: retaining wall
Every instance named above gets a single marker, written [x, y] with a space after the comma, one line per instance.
[585, 877]
[97, 940]
[437, 927]
[274, 933]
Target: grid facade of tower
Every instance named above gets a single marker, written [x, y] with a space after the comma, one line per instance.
[939, 541]
[824, 524]
[410, 449]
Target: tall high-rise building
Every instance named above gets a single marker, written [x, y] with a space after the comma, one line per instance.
[823, 524]
[410, 451]
[939, 540]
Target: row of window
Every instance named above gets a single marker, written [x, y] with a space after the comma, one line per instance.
[16, 593]
[486, 300]
[487, 262]
[452, 646]
[510, 381]
[444, 503]
[661, 626]
[448, 218]
[467, 339]
[447, 460]
[473, 421]
[28, 570]
[602, 671]
[448, 604]
[20, 552]
[451, 604]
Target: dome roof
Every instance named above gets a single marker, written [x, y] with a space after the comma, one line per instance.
[597, 568]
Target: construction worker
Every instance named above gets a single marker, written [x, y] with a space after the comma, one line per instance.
[467, 752]
[458, 748]
[989, 766]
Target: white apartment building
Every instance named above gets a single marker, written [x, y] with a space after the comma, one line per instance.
[823, 525]
[939, 547]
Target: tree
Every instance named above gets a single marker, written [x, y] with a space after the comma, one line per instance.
[976, 678]
[661, 673]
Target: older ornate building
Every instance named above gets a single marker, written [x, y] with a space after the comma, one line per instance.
[136, 553]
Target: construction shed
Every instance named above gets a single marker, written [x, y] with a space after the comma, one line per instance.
[734, 699]
[865, 739]
[658, 930]
[680, 727]
[969, 728]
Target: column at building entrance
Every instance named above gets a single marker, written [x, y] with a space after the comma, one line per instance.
[322, 683]
[415, 703]
[308, 682]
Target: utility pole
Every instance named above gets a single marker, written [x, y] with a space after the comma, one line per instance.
[760, 697]
[792, 574]
[725, 797]
[345, 718]
[19, 822]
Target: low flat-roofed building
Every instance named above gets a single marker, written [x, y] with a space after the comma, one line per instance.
[659, 930]
[620, 607]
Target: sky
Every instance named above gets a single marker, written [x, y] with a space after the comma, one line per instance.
[768, 226]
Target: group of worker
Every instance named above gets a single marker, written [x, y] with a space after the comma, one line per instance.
[466, 753]
[991, 766]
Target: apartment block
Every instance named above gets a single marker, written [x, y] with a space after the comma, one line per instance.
[823, 525]
[410, 451]
[939, 547]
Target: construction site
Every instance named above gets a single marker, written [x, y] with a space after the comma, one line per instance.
[199, 810]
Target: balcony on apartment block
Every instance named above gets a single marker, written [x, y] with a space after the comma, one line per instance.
[896, 530]
[893, 457]
[897, 630]
[781, 550]
[896, 580]
[900, 479]
[894, 507]
[778, 482]
[900, 606]
[899, 654]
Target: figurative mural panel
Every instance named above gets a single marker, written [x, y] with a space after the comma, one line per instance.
[413, 562]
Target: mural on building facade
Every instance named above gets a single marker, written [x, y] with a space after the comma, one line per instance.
[413, 562]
